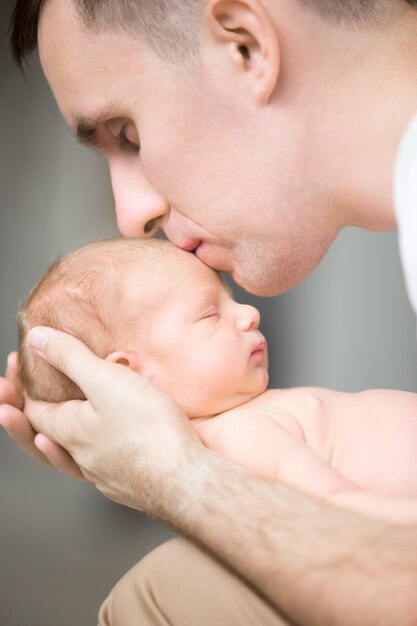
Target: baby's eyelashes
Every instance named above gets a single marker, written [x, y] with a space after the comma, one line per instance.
[211, 314]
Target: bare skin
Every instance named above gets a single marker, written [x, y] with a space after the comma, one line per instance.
[224, 507]
[294, 88]
[347, 449]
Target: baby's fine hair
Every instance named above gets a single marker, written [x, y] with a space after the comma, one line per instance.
[81, 294]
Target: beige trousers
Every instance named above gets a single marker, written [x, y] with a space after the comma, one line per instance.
[179, 584]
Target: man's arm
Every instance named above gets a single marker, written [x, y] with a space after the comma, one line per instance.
[317, 563]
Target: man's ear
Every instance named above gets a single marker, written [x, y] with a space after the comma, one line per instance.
[249, 33]
[128, 359]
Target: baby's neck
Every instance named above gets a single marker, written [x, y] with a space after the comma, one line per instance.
[202, 419]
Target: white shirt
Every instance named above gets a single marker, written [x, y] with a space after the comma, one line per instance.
[405, 189]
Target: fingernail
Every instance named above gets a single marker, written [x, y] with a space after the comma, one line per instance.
[38, 336]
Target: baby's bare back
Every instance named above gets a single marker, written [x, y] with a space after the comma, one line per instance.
[323, 441]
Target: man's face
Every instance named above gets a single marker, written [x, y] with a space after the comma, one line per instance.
[188, 153]
[201, 347]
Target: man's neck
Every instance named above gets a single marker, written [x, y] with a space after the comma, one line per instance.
[387, 102]
[356, 90]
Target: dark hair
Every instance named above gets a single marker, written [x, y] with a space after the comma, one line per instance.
[359, 11]
[170, 26]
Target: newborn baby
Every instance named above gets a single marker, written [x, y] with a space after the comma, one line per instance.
[158, 310]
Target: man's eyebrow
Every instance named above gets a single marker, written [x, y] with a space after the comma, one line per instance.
[86, 132]
[85, 128]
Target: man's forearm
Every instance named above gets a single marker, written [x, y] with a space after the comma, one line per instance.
[319, 564]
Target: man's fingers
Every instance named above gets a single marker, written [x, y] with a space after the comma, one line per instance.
[10, 394]
[13, 371]
[20, 431]
[56, 421]
[40, 415]
[39, 447]
[58, 457]
[55, 424]
[67, 354]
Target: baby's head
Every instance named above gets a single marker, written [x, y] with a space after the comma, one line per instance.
[152, 307]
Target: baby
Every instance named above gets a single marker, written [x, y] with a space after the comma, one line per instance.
[158, 310]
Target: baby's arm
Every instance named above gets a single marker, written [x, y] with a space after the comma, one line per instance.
[261, 444]
[267, 448]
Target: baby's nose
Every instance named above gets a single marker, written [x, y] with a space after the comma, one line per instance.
[248, 317]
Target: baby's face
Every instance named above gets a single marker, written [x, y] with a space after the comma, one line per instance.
[203, 348]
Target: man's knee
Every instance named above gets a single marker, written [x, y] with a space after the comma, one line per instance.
[179, 584]
[136, 597]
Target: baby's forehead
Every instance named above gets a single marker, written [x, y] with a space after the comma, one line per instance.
[186, 270]
[176, 274]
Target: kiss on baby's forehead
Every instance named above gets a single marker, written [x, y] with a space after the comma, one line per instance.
[123, 298]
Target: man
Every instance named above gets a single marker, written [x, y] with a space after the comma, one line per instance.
[251, 132]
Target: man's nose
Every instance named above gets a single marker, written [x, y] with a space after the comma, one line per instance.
[140, 208]
[248, 317]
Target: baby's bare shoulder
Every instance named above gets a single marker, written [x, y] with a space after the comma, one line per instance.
[389, 397]
[305, 404]
[298, 397]
[288, 408]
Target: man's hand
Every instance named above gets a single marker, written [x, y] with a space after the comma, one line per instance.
[17, 426]
[129, 438]
[307, 557]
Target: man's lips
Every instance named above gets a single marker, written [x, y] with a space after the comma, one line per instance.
[197, 247]
[190, 245]
[205, 254]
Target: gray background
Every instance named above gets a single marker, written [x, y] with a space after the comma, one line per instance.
[349, 326]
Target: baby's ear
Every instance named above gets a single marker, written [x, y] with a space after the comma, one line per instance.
[128, 359]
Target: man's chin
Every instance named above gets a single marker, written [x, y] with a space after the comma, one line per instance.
[257, 287]
[267, 284]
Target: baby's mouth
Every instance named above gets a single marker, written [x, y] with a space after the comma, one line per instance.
[259, 348]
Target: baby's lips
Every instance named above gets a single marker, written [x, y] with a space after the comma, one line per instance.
[260, 346]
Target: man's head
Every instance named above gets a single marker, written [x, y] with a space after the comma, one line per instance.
[244, 128]
[153, 308]
[172, 27]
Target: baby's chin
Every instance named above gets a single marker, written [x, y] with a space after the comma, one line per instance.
[227, 404]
